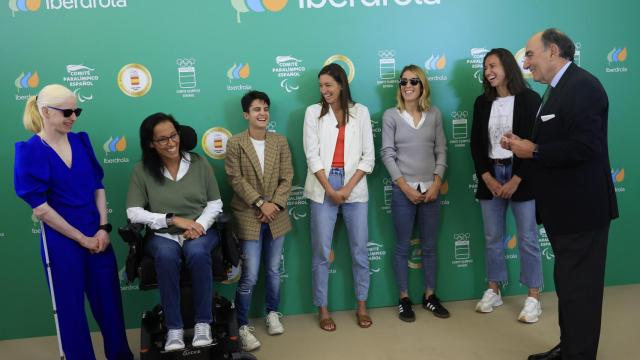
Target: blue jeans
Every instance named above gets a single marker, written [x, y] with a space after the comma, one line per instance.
[167, 256]
[323, 221]
[494, 215]
[404, 214]
[271, 250]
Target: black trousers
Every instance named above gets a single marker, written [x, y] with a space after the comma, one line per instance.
[579, 276]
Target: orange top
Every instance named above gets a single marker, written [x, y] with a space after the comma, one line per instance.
[338, 154]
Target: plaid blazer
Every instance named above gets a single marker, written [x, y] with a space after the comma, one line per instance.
[249, 183]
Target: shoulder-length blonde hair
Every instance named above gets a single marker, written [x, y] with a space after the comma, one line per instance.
[424, 102]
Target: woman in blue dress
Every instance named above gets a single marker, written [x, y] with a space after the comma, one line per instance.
[56, 172]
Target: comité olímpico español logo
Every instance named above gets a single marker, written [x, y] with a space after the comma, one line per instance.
[245, 6]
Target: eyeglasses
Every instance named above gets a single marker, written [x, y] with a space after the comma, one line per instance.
[164, 141]
[413, 82]
[67, 112]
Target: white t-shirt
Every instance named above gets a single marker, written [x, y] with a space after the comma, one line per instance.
[500, 123]
[258, 145]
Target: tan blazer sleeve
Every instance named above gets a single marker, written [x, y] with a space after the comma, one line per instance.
[238, 183]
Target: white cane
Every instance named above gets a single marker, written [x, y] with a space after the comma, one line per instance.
[53, 296]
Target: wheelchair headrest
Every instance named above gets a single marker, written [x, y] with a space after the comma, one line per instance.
[188, 137]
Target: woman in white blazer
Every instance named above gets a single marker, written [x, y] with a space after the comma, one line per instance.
[338, 144]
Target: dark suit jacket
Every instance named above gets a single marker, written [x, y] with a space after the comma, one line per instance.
[525, 108]
[572, 176]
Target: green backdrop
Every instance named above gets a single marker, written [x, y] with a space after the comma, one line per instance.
[199, 57]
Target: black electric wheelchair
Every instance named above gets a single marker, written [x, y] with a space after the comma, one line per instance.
[153, 332]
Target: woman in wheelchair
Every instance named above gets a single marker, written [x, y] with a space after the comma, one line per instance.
[174, 192]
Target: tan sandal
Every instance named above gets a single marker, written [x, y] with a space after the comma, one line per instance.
[364, 320]
[327, 324]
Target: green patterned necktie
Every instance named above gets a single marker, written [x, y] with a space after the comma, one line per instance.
[545, 96]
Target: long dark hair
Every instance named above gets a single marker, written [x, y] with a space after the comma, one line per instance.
[337, 73]
[515, 81]
[150, 158]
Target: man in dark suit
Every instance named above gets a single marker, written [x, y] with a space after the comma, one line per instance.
[574, 193]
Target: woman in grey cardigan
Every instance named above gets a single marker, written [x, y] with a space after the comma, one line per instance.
[413, 131]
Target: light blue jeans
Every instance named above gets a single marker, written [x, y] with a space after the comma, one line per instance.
[271, 250]
[323, 221]
[404, 214]
[494, 215]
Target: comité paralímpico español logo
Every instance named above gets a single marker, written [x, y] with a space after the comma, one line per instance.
[245, 6]
[28, 80]
[23, 6]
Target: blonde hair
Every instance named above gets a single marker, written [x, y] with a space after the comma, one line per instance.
[50, 95]
[424, 102]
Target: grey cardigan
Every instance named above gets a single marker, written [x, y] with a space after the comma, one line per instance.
[415, 154]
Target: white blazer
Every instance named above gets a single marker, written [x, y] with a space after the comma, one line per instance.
[319, 140]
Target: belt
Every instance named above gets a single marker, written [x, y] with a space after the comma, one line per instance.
[505, 161]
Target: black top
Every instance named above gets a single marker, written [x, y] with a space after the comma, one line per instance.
[525, 107]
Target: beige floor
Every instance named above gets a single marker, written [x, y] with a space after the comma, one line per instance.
[466, 335]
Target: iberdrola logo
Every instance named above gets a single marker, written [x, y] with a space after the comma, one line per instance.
[117, 144]
[437, 62]
[238, 71]
[617, 55]
[23, 5]
[244, 6]
[28, 80]
[510, 242]
[617, 175]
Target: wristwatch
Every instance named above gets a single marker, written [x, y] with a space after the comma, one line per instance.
[106, 227]
[169, 219]
[259, 203]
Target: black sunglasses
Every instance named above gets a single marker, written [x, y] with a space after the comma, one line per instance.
[67, 112]
[413, 81]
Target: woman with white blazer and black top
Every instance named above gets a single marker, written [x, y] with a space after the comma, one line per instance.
[507, 106]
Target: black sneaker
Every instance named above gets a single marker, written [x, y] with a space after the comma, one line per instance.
[405, 310]
[432, 303]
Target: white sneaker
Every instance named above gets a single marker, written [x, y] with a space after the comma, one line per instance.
[489, 300]
[174, 340]
[274, 326]
[249, 341]
[531, 311]
[201, 335]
